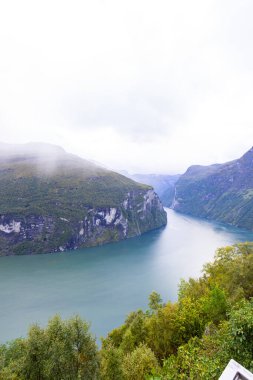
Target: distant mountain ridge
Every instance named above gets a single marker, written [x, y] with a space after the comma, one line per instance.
[163, 184]
[222, 192]
[52, 201]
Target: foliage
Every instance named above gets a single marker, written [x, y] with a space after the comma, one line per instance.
[111, 363]
[193, 338]
[140, 362]
[63, 350]
[207, 357]
[232, 271]
[211, 322]
[155, 301]
[238, 334]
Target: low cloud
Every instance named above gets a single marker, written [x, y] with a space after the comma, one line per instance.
[152, 87]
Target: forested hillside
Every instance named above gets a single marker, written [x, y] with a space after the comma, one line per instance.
[222, 192]
[53, 201]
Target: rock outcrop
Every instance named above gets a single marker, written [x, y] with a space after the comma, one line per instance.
[163, 184]
[54, 203]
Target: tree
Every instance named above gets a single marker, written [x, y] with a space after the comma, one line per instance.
[155, 301]
[72, 351]
[162, 335]
[138, 363]
[237, 336]
[64, 350]
[12, 360]
[36, 353]
[111, 363]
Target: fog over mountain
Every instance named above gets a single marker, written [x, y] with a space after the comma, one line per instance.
[52, 201]
[139, 86]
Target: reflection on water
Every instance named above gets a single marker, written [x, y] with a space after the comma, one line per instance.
[103, 284]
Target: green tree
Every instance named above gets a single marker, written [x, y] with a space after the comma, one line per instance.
[138, 363]
[36, 353]
[111, 363]
[162, 335]
[72, 352]
[155, 301]
[12, 360]
[64, 350]
[214, 305]
[237, 336]
[232, 271]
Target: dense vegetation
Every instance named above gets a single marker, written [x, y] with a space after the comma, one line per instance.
[220, 192]
[193, 338]
[53, 195]
[63, 184]
[62, 350]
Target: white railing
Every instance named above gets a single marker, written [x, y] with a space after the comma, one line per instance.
[235, 371]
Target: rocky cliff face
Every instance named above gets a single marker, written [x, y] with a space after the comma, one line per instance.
[163, 184]
[71, 207]
[140, 211]
[222, 192]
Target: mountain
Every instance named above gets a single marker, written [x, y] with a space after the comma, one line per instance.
[163, 184]
[222, 192]
[54, 201]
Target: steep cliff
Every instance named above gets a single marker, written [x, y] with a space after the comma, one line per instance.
[52, 201]
[163, 184]
[222, 192]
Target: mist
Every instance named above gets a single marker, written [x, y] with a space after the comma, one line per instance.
[138, 86]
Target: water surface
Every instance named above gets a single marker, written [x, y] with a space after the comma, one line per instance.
[104, 284]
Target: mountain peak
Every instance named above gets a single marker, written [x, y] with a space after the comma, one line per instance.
[247, 158]
[250, 151]
[30, 149]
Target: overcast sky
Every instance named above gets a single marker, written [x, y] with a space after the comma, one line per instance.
[147, 86]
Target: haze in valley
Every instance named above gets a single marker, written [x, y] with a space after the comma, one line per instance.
[140, 85]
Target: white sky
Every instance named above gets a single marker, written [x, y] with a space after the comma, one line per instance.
[147, 86]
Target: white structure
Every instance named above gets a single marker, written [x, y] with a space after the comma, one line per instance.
[235, 371]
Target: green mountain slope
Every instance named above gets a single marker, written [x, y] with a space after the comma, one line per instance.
[222, 192]
[53, 201]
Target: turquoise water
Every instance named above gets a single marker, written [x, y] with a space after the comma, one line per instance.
[104, 284]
